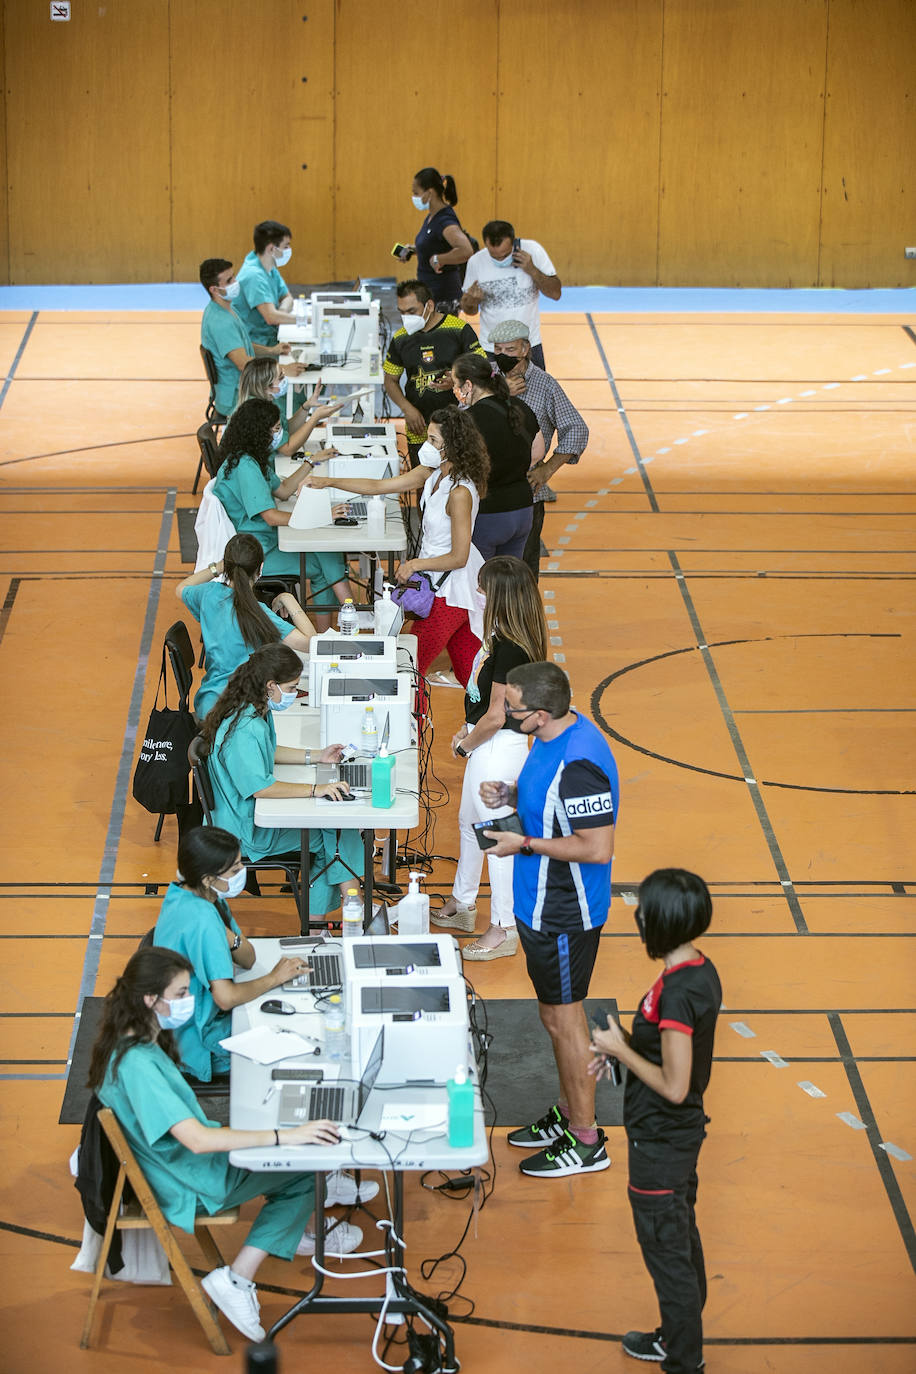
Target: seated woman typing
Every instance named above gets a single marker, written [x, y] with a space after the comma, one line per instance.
[233, 622]
[183, 1155]
[239, 732]
[249, 488]
[263, 380]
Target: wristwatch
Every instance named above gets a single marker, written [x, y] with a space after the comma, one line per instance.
[308, 756]
[462, 752]
[212, 569]
[236, 943]
[526, 847]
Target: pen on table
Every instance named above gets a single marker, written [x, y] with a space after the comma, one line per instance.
[268, 1095]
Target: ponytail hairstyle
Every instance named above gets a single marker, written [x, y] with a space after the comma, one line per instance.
[126, 1019]
[463, 447]
[514, 607]
[248, 434]
[256, 378]
[473, 367]
[205, 852]
[428, 179]
[242, 559]
[248, 687]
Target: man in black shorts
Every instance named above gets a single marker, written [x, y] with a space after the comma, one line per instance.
[567, 796]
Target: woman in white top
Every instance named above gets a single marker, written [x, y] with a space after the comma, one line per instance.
[453, 471]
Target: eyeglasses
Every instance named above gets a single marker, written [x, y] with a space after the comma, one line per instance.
[525, 710]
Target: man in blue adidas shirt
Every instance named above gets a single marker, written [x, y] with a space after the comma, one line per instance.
[567, 796]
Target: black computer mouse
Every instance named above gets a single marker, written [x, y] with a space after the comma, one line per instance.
[274, 1007]
[344, 796]
[346, 520]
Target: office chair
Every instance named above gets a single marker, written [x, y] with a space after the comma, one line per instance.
[144, 1213]
[200, 771]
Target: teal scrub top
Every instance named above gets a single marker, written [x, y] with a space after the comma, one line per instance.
[149, 1097]
[221, 331]
[245, 492]
[259, 288]
[195, 928]
[225, 649]
[242, 763]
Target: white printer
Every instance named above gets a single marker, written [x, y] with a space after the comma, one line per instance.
[425, 1021]
[372, 653]
[343, 700]
[369, 958]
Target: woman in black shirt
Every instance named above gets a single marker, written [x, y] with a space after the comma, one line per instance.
[668, 1058]
[442, 247]
[514, 632]
[514, 441]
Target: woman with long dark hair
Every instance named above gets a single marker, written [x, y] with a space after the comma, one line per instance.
[233, 622]
[184, 1156]
[249, 488]
[441, 245]
[453, 474]
[514, 441]
[243, 752]
[514, 632]
[668, 1059]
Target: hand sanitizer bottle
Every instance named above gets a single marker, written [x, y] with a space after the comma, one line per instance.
[460, 1109]
[413, 910]
[383, 788]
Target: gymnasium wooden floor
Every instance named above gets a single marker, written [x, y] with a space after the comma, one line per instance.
[730, 586]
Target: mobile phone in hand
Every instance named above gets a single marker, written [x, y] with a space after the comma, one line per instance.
[613, 1065]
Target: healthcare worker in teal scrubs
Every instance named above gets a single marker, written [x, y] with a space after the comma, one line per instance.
[249, 488]
[264, 301]
[195, 920]
[183, 1155]
[233, 622]
[243, 751]
[225, 337]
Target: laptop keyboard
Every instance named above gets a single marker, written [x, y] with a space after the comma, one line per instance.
[358, 775]
[357, 509]
[326, 1104]
[324, 972]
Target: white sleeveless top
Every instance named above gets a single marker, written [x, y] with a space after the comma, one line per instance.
[459, 587]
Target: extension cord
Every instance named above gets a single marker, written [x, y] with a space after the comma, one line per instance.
[392, 1295]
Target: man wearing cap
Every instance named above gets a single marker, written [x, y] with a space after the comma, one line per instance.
[556, 415]
[506, 279]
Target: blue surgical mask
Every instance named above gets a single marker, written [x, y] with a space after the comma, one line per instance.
[231, 291]
[283, 258]
[180, 1011]
[418, 203]
[428, 456]
[276, 439]
[236, 883]
[501, 262]
[283, 387]
[286, 700]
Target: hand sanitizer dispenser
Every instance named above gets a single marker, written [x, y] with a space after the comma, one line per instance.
[413, 910]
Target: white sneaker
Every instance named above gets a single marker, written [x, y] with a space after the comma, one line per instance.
[341, 1190]
[340, 1238]
[236, 1300]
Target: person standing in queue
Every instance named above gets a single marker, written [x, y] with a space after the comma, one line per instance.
[668, 1059]
[441, 245]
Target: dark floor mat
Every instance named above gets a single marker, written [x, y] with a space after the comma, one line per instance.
[187, 539]
[522, 1077]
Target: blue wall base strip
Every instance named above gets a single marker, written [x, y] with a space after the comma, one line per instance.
[662, 299]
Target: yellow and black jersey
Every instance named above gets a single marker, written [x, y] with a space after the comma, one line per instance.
[427, 358]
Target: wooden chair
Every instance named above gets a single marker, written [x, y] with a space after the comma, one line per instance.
[145, 1214]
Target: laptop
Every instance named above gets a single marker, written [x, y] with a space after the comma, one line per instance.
[324, 972]
[358, 776]
[341, 1103]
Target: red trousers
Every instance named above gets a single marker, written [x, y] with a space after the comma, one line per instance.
[446, 627]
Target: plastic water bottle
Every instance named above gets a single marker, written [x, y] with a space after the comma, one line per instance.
[413, 910]
[369, 737]
[348, 618]
[334, 669]
[335, 1029]
[351, 923]
[460, 1109]
[325, 356]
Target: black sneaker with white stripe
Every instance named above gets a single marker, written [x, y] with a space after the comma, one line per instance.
[548, 1127]
[567, 1155]
[648, 1345]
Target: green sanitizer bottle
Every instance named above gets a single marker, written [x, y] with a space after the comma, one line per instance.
[383, 778]
[460, 1109]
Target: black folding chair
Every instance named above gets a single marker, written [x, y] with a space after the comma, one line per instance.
[212, 414]
[209, 454]
[200, 771]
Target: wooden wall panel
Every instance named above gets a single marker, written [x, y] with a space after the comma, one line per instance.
[869, 206]
[742, 128]
[251, 139]
[4, 203]
[579, 94]
[87, 141]
[414, 88]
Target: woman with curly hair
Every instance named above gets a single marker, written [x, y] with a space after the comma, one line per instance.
[249, 488]
[453, 474]
[243, 751]
[184, 1156]
[514, 441]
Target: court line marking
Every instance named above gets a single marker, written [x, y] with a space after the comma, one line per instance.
[125, 764]
[15, 363]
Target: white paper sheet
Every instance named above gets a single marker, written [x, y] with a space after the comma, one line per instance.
[265, 1045]
[312, 509]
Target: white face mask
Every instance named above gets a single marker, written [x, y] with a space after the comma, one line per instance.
[236, 883]
[282, 388]
[231, 291]
[418, 203]
[281, 259]
[428, 456]
[180, 1011]
[286, 700]
[276, 439]
[501, 262]
[413, 323]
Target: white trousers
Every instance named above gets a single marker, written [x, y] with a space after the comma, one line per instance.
[501, 759]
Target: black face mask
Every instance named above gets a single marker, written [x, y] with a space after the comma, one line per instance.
[514, 723]
[505, 362]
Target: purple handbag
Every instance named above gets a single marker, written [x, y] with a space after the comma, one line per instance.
[416, 597]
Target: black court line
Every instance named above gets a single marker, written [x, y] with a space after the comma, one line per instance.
[91, 448]
[908, 329]
[7, 608]
[885, 1168]
[621, 411]
[18, 358]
